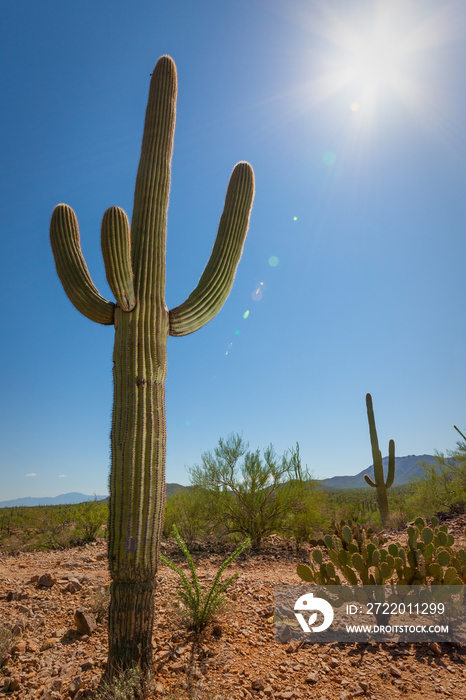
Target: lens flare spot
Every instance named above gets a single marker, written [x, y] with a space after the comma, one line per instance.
[329, 157]
[257, 293]
[187, 422]
[246, 314]
[237, 333]
[295, 218]
[273, 261]
[355, 106]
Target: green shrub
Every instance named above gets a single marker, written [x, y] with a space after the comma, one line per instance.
[90, 517]
[127, 685]
[442, 486]
[256, 497]
[201, 605]
[6, 640]
[189, 509]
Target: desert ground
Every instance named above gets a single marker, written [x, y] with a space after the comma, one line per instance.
[60, 654]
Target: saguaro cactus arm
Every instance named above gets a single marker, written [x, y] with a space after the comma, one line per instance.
[72, 269]
[391, 464]
[116, 251]
[217, 279]
[376, 453]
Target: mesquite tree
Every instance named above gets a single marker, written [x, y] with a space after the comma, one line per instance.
[134, 259]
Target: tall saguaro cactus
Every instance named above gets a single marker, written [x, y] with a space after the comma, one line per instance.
[380, 483]
[135, 267]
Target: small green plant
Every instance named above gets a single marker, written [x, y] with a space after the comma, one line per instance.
[6, 640]
[201, 605]
[127, 685]
[99, 602]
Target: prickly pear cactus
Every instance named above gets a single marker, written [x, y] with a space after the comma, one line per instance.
[380, 483]
[134, 259]
[428, 558]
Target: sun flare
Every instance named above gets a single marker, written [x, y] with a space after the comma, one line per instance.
[385, 54]
[377, 63]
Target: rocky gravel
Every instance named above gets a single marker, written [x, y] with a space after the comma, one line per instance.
[55, 604]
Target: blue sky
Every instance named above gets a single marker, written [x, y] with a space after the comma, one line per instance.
[352, 116]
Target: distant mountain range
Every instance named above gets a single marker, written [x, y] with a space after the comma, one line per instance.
[406, 468]
[69, 498]
[63, 499]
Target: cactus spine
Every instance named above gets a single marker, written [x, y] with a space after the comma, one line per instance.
[134, 259]
[379, 480]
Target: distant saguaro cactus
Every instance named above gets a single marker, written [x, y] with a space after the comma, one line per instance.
[380, 483]
[135, 267]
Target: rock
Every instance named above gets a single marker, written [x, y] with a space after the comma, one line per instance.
[10, 685]
[87, 665]
[85, 622]
[285, 634]
[18, 629]
[217, 630]
[177, 667]
[312, 677]
[19, 647]
[48, 643]
[46, 581]
[14, 595]
[73, 586]
[394, 671]
[258, 684]
[435, 648]
[75, 685]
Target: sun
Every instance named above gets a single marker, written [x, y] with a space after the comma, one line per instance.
[377, 63]
[381, 53]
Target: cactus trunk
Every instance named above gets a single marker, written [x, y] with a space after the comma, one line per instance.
[135, 267]
[137, 483]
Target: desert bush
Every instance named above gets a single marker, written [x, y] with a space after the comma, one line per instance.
[442, 487]
[253, 498]
[6, 640]
[189, 510]
[396, 520]
[308, 516]
[99, 602]
[55, 528]
[90, 517]
[126, 685]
